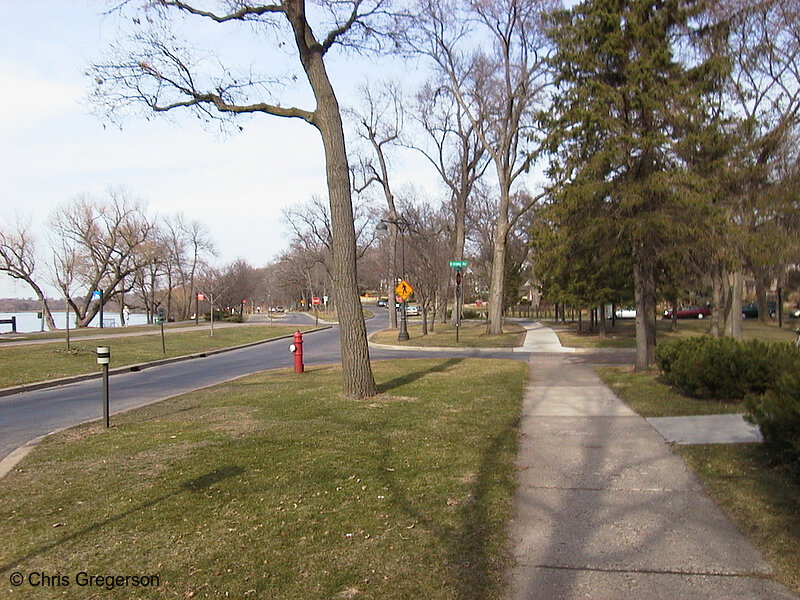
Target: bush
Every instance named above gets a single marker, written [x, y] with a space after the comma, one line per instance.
[667, 354]
[724, 368]
[777, 414]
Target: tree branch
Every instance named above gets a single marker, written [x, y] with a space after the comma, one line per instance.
[239, 15]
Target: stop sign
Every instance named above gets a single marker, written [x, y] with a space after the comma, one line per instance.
[315, 300]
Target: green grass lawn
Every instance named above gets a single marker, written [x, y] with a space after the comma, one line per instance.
[471, 335]
[762, 499]
[277, 486]
[623, 335]
[649, 397]
[30, 363]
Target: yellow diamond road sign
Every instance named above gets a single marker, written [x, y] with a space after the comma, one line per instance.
[403, 289]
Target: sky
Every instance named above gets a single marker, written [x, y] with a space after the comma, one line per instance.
[53, 148]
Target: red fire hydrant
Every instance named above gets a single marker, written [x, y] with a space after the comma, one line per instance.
[297, 350]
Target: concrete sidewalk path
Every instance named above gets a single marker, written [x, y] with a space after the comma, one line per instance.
[605, 510]
[540, 338]
[707, 429]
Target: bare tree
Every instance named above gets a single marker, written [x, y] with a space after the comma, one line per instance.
[455, 151]
[189, 245]
[499, 86]
[379, 123]
[18, 261]
[312, 230]
[427, 256]
[236, 286]
[157, 73]
[151, 280]
[763, 93]
[106, 243]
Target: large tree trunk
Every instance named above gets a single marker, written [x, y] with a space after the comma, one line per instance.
[357, 375]
[46, 314]
[717, 303]
[497, 286]
[733, 314]
[762, 281]
[645, 292]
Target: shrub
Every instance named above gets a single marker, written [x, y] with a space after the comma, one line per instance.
[666, 354]
[724, 368]
[777, 414]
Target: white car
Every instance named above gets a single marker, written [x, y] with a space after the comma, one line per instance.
[412, 310]
[626, 312]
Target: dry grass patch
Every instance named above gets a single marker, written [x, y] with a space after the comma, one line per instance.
[471, 335]
[310, 495]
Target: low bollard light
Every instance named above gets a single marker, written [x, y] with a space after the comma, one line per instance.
[104, 358]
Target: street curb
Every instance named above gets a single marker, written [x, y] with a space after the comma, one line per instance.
[15, 456]
[41, 385]
[438, 348]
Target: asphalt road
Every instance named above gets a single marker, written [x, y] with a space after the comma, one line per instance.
[28, 415]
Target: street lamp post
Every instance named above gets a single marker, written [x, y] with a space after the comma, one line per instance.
[402, 225]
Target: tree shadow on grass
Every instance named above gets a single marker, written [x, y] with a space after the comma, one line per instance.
[472, 542]
[192, 485]
[407, 378]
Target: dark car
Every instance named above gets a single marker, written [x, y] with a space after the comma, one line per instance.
[750, 311]
[688, 312]
[382, 302]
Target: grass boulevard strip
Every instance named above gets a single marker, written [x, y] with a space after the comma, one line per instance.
[33, 363]
[276, 485]
[471, 335]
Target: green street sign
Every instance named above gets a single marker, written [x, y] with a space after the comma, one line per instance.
[458, 264]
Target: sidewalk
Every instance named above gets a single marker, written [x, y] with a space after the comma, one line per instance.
[605, 510]
[539, 338]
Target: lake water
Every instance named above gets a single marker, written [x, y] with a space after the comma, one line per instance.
[28, 322]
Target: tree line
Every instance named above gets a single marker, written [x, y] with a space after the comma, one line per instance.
[110, 250]
[666, 129]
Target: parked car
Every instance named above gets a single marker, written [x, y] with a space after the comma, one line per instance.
[689, 312]
[382, 302]
[750, 311]
[795, 314]
[412, 310]
[626, 312]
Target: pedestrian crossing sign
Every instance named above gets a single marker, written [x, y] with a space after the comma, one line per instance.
[404, 289]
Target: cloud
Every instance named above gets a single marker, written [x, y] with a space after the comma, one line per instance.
[29, 98]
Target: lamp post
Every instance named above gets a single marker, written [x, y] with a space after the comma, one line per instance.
[402, 225]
